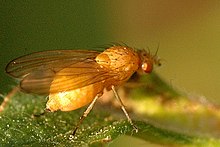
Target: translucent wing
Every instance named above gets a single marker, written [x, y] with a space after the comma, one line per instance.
[79, 75]
[47, 61]
[71, 68]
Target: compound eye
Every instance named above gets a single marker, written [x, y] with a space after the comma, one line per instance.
[147, 67]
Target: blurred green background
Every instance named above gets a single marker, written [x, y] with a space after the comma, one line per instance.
[188, 33]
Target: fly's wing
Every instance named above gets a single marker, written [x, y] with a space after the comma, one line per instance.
[79, 75]
[47, 61]
[38, 70]
[75, 76]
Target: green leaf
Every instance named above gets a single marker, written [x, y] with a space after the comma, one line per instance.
[105, 123]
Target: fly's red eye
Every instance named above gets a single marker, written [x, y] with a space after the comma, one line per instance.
[147, 67]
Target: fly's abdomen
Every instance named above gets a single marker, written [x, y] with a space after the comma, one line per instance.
[74, 99]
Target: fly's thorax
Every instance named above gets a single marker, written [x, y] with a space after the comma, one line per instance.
[119, 59]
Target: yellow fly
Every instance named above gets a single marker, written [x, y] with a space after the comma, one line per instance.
[75, 78]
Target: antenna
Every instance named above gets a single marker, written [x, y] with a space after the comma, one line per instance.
[157, 50]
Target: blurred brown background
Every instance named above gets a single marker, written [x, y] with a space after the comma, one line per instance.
[189, 37]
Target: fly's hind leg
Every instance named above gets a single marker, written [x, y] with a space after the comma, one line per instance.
[123, 109]
[7, 98]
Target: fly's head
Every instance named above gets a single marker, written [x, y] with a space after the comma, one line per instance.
[148, 60]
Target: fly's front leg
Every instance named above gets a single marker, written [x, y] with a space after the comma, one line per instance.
[123, 109]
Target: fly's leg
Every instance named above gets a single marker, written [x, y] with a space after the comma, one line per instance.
[123, 108]
[86, 113]
[43, 113]
[7, 98]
